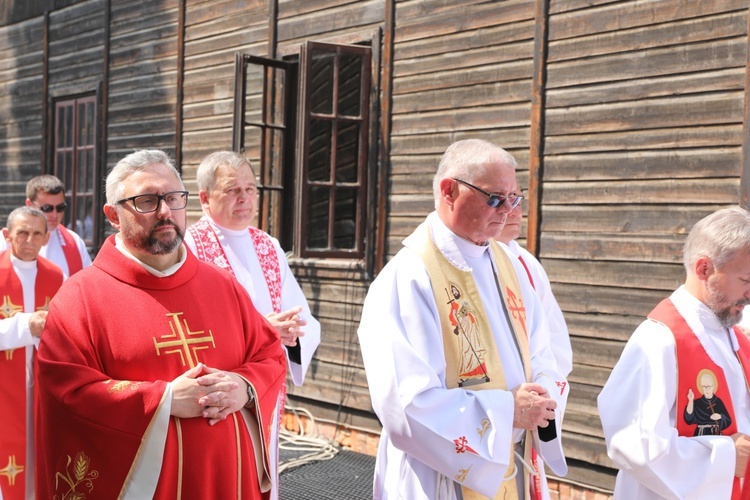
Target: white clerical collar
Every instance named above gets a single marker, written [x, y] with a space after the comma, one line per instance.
[229, 232]
[120, 245]
[22, 264]
[452, 246]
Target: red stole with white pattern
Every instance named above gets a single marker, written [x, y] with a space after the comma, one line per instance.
[208, 248]
[13, 383]
[694, 369]
[70, 250]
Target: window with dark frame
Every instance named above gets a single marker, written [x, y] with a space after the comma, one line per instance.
[304, 123]
[75, 163]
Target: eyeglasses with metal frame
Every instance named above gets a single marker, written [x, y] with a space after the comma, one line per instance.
[147, 203]
[494, 200]
[49, 208]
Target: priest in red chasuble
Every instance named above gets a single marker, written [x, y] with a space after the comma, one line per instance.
[27, 283]
[157, 376]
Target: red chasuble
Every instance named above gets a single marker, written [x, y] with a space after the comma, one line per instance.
[710, 416]
[13, 384]
[115, 336]
[70, 250]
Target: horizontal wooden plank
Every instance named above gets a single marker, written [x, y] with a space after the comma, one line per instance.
[679, 111]
[414, 25]
[457, 60]
[580, 303]
[675, 31]
[658, 192]
[634, 140]
[497, 116]
[464, 97]
[588, 246]
[719, 80]
[447, 78]
[616, 327]
[461, 41]
[659, 164]
[362, 14]
[621, 16]
[510, 138]
[706, 56]
[612, 273]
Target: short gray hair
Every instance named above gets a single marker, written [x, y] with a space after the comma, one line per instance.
[467, 160]
[206, 175]
[719, 236]
[25, 210]
[136, 161]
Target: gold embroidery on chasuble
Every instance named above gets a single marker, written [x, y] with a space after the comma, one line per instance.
[76, 475]
[45, 306]
[471, 356]
[122, 385]
[12, 469]
[7, 310]
[184, 342]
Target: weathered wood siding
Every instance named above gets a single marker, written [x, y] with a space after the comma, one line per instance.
[21, 47]
[644, 117]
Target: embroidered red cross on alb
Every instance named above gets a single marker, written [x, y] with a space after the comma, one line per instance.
[561, 384]
[462, 446]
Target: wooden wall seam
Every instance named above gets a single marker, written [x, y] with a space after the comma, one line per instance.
[536, 143]
[745, 174]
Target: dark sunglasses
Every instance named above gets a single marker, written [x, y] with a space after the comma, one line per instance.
[48, 208]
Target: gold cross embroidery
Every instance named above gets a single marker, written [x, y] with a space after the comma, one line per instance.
[186, 344]
[11, 470]
[8, 308]
[45, 306]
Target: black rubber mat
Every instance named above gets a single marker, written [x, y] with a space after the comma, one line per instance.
[347, 476]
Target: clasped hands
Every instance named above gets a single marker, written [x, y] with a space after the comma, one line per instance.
[209, 393]
[533, 406]
[288, 324]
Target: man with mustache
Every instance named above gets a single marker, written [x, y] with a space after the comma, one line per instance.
[156, 365]
[664, 441]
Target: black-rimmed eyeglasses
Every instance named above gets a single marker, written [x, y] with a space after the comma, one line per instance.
[147, 203]
[49, 208]
[494, 200]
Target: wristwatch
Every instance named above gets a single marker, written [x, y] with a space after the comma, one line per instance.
[250, 396]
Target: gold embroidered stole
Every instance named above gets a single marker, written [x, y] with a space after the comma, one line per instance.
[471, 355]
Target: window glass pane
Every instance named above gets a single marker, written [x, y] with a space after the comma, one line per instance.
[68, 141]
[67, 178]
[347, 150]
[350, 76]
[319, 161]
[345, 228]
[321, 82]
[317, 217]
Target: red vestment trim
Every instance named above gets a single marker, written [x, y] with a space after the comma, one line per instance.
[70, 249]
[13, 374]
[209, 249]
[692, 363]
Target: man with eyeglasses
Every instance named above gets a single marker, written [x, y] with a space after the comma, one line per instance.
[225, 236]
[456, 348]
[27, 284]
[558, 330]
[666, 442]
[157, 377]
[64, 248]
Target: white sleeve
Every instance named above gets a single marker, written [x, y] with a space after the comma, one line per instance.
[85, 257]
[15, 332]
[292, 296]
[401, 342]
[637, 407]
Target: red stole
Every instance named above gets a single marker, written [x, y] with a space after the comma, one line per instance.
[209, 249]
[13, 373]
[694, 364]
[70, 249]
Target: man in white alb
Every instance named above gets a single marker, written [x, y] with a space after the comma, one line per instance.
[225, 236]
[64, 248]
[676, 408]
[558, 330]
[454, 429]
